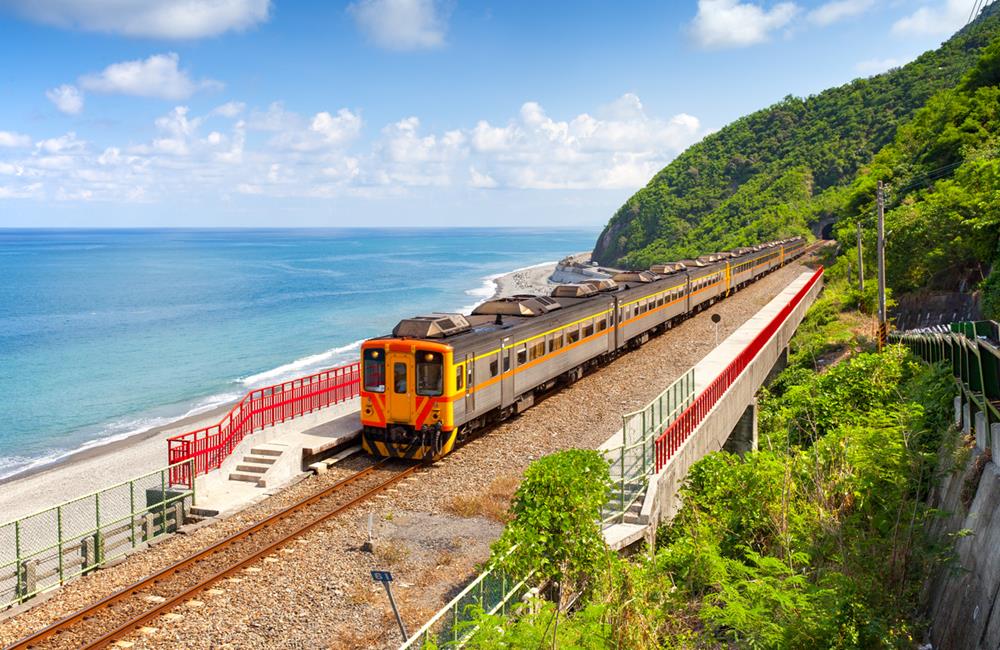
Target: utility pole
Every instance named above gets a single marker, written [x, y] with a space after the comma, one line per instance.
[861, 263]
[881, 266]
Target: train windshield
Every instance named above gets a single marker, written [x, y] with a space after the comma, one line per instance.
[430, 374]
[374, 371]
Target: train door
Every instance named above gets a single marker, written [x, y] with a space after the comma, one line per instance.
[506, 377]
[400, 404]
[470, 384]
[614, 321]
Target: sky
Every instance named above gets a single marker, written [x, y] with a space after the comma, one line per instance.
[233, 113]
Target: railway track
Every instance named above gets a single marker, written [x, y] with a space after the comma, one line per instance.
[117, 615]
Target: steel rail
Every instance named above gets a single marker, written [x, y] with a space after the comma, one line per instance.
[129, 591]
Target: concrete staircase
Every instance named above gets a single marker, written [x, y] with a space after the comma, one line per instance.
[255, 465]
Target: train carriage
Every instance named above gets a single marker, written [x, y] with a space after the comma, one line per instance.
[439, 378]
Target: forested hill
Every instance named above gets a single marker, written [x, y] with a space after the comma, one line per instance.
[772, 173]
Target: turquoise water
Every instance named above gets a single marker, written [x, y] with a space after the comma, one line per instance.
[106, 333]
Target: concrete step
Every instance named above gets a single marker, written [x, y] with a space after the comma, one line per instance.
[253, 468]
[247, 478]
[266, 451]
[195, 511]
[261, 460]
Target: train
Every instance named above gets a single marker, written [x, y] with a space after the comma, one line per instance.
[440, 378]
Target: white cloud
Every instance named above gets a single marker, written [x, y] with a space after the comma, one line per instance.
[68, 99]
[942, 18]
[229, 109]
[63, 144]
[169, 19]
[157, 76]
[838, 10]
[730, 23]
[11, 139]
[484, 181]
[401, 24]
[321, 155]
[877, 66]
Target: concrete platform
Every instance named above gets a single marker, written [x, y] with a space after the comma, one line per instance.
[288, 448]
[324, 437]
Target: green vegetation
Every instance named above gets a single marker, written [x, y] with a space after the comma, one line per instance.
[942, 168]
[817, 540]
[775, 172]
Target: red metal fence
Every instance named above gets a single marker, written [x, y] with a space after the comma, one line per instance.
[259, 408]
[674, 436]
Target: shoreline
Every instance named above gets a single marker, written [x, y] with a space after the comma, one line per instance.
[94, 467]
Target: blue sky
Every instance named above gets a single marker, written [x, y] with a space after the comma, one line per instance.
[399, 112]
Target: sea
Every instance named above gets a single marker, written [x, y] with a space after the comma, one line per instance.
[105, 334]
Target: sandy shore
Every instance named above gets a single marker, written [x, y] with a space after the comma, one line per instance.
[537, 279]
[94, 468]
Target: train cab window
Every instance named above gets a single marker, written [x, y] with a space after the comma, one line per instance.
[459, 377]
[374, 371]
[522, 356]
[588, 330]
[494, 368]
[399, 377]
[556, 342]
[430, 374]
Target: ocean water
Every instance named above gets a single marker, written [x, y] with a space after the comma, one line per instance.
[107, 333]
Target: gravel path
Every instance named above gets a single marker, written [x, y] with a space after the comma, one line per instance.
[320, 594]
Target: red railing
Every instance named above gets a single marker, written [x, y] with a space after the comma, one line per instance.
[261, 407]
[674, 436]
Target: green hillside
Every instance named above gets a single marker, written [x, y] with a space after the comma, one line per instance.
[775, 172]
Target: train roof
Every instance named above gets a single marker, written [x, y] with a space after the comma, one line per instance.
[518, 311]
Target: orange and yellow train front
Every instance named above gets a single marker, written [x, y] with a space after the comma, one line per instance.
[407, 389]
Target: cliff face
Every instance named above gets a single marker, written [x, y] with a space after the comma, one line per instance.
[962, 595]
[772, 173]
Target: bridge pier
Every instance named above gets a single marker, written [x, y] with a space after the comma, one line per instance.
[743, 439]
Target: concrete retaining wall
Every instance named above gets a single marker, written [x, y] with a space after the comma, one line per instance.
[961, 596]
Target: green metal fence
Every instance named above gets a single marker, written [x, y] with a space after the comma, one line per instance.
[632, 462]
[493, 592]
[972, 349]
[47, 549]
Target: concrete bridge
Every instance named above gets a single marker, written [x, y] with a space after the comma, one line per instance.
[718, 412]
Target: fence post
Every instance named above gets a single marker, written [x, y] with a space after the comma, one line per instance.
[163, 501]
[98, 537]
[131, 511]
[17, 559]
[59, 541]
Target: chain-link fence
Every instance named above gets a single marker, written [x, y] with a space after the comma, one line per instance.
[47, 549]
[633, 461]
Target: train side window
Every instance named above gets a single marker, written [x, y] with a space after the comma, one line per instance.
[573, 335]
[538, 349]
[494, 368]
[522, 356]
[556, 342]
[588, 329]
[602, 324]
[459, 377]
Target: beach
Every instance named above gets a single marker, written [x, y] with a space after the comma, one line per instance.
[95, 467]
